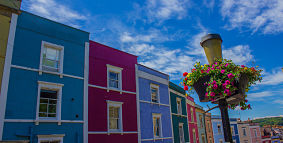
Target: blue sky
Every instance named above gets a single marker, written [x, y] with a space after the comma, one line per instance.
[165, 34]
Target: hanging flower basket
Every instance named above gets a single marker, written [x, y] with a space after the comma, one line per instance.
[222, 80]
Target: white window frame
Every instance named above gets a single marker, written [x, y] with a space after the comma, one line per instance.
[61, 62]
[154, 115]
[115, 104]
[51, 138]
[49, 86]
[182, 125]
[220, 140]
[234, 141]
[244, 131]
[255, 132]
[232, 130]
[118, 70]
[158, 95]
[192, 115]
[179, 100]
[201, 120]
[218, 129]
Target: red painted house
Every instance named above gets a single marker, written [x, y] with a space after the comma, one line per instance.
[112, 108]
[192, 120]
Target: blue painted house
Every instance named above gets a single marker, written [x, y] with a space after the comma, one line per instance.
[154, 119]
[47, 83]
[218, 129]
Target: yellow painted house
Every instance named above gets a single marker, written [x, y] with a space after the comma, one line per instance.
[7, 8]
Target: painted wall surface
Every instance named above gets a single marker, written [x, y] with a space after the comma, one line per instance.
[247, 137]
[178, 92]
[99, 56]
[216, 120]
[148, 108]
[208, 128]
[4, 33]
[201, 123]
[255, 138]
[192, 121]
[23, 86]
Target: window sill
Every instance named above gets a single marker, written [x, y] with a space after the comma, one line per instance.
[115, 132]
[50, 72]
[44, 120]
[114, 89]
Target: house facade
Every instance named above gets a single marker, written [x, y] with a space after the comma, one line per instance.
[46, 82]
[192, 120]
[155, 120]
[200, 115]
[244, 132]
[255, 132]
[218, 133]
[112, 101]
[208, 128]
[179, 113]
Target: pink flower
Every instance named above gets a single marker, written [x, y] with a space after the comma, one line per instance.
[207, 70]
[212, 94]
[249, 106]
[227, 91]
[186, 87]
[206, 94]
[224, 86]
[212, 99]
[212, 69]
[226, 65]
[230, 75]
[246, 100]
[215, 86]
[217, 67]
[214, 82]
[222, 71]
[242, 66]
[213, 66]
[215, 63]
[227, 82]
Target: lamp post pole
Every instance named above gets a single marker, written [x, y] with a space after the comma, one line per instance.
[212, 47]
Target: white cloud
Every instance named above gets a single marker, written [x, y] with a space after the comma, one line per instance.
[240, 54]
[140, 49]
[267, 117]
[259, 96]
[152, 35]
[166, 9]
[264, 15]
[209, 3]
[278, 101]
[53, 10]
[273, 78]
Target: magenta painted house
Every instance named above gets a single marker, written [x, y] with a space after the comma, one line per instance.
[192, 120]
[112, 108]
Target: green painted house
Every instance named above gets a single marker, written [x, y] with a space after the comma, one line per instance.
[179, 113]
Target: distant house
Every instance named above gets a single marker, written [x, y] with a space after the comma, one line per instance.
[179, 113]
[244, 132]
[255, 132]
[200, 114]
[192, 120]
[112, 100]
[218, 133]
[208, 128]
[155, 120]
[46, 88]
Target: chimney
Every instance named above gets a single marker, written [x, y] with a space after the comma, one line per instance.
[212, 47]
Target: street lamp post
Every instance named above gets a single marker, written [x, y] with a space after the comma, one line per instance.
[211, 44]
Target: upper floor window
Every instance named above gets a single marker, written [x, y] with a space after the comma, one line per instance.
[208, 125]
[255, 132]
[156, 118]
[192, 114]
[220, 141]
[201, 121]
[154, 91]
[114, 111]
[51, 57]
[179, 106]
[244, 132]
[49, 101]
[181, 133]
[219, 128]
[114, 77]
[232, 131]
[194, 136]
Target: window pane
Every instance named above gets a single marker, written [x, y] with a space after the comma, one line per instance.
[52, 109]
[113, 83]
[51, 53]
[113, 123]
[113, 76]
[43, 108]
[42, 115]
[154, 94]
[42, 100]
[116, 112]
[51, 115]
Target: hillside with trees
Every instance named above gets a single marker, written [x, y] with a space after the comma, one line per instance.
[270, 121]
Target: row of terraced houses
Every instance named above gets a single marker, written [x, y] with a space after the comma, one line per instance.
[58, 86]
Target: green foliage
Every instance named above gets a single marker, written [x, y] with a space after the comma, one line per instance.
[270, 121]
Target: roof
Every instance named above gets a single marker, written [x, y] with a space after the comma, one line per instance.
[176, 88]
[154, 70]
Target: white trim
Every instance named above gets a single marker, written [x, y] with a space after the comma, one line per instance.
[233, 132]
[38, 70]
[43, 121]
[180, 100]
[115, 104]
[155, 103]
[49, 86]
[157, 115]
[86, 74]
[118, 70]
[181, 125]
[177, 93]
[61, 60]
[169, 96]
[163, 138]
[179, 115]
[102, 132]
[138, 103]
[55, 137]
[105, 88]
[6, 71]
[151, 77]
